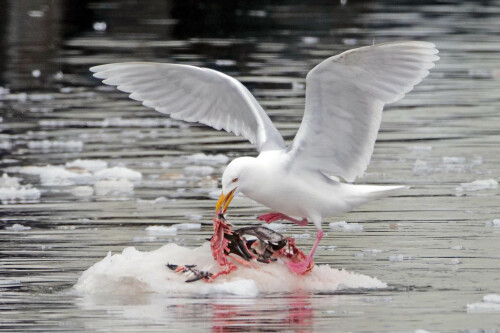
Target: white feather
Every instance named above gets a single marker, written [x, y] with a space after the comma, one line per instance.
[345, 95]
[197, 95]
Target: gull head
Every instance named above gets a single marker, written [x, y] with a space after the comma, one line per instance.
[234, 179]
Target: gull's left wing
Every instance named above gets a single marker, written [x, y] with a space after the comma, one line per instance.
[345, 95]
[195, 94]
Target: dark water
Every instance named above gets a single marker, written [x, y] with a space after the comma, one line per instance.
[438, 245]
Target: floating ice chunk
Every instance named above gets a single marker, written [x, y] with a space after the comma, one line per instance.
[492, 298]
[373, 251]
[89, 165]
[6, 181]
[12, 190]
[144, 239]
[18, 227]
[494, 223]
[396, 257]
[99, 26]
[310, 40]
[457, 247]
[82, 191]
[156, 201]
[162, 230]
[491, 303]
[477, 185]
[420, 148]
[134, 272]
[201, 158]
[198, 170]
[346, 226]
[58, 176]
[36, 13]
[119, 173]
[114, 187]
[5, 145]
[225, 62]
[455, 261]
[188, 226]
[56, 145]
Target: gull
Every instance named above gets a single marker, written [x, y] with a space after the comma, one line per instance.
[311, 178]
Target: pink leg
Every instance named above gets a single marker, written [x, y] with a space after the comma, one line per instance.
[301, 267]
[271, 217]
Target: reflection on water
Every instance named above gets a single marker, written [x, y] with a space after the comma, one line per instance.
[436, 245]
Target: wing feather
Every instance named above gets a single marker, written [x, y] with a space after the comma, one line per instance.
[345, 95]
[196, 95]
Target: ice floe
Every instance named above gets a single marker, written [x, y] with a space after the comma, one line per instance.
[114, 187]
[55, 145]
[119, 173]
[136, 272]
[494, 223]
[11, 190]
[478, 185]
[490, 303]
[57, 175]
[89, 165]
[82, 191]
[346, 226]
[18, 227]
[86, 173]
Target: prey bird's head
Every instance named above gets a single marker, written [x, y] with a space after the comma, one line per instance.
[234, 180]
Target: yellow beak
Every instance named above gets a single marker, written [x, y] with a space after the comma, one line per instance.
[224, 201]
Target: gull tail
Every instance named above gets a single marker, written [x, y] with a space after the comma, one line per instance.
[357, 195]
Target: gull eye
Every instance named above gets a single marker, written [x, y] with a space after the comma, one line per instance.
[235, 180]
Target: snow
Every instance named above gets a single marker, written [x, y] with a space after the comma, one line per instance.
[18, 227]
[89, 165]
[119, 173]
[114, 187]
[135, 272]
[477, 185]
[11, 190]
[346, 226]
[490, 303]
[56, 145]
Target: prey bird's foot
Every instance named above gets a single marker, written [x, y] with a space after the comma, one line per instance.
[301, 267]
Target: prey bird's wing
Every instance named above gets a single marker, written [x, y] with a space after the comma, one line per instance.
[195, 94]
[345, 95]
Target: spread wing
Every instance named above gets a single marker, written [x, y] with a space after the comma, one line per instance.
[345, 95]
[195, 94]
